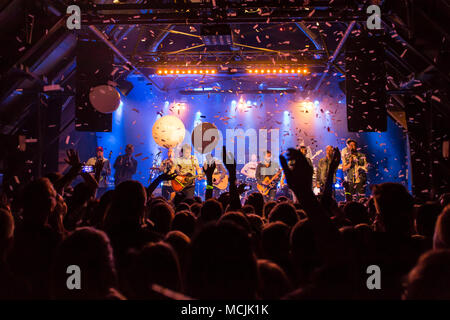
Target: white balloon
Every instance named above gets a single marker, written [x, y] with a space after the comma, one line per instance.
[168, 131]
[104, 98]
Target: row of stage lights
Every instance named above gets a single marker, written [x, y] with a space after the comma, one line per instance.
[212, 71]
[279, 71]
[188, 71]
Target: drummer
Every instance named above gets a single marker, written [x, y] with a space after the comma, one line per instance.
[249, 171]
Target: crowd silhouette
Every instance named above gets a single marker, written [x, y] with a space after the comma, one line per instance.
[129, 244]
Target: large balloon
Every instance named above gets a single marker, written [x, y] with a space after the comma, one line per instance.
[168, 131]
[104, 98]
[205, 137]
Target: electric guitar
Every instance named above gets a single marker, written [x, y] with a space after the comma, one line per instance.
[268, 183]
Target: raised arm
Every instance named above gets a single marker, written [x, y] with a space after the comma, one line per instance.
[299, 179]
[230, 164]
[75, 167]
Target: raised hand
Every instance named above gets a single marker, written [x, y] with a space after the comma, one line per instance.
[336, 160]
[72, 158]
[229, 163]
[299, 175]
[209, 170]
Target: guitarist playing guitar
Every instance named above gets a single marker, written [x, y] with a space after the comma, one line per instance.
[188, 171]
[267, 175]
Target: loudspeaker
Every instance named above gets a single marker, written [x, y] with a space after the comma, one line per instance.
[94, 67]
[365, 81]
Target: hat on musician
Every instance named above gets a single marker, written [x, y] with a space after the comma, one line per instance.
[350, 140]
[99, 149]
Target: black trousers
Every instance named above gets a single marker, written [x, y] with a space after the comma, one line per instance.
[189, 191]
[166, 191]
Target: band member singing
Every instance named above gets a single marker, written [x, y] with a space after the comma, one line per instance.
[106, 171]
[125, 166]
[266, 171]
[167, 166]
[354, 163]
[187, 164]
[220, 172]
[323, 169]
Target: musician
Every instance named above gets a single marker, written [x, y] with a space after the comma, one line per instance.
[249, 171]
[167, 166]
[187, 164]
[354, 164]
[220, 169]
[267, 169]
[323, 168]
[125, 165]
[106, 171]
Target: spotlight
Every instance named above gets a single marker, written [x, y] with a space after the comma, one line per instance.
[159, 72]
[165, 71]
[189, 71]
[256, 71]
[171, 71]
[262, 70]
[201, 71]
[206, 71]
[305, 71]
[177, 72]
[250, 71]
[195, 71]
[274, 71]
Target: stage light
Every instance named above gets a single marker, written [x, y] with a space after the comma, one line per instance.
[307, 106]
[305, 71]
[206, 71]
[256, 71]
[268, 71]
[292, 71]
[171, 71]
[179, 106]
[280, 71]
[159, 72]
[262, 70]
[299, 71]
[189, 71]
[286, 71]
[165, 71]
[177, 72]
[250, 71]
[201, 71]
[274, 71]
[195, 71]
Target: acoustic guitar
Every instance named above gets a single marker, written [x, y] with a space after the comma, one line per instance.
[183, 181]
[220, 183]
[268, 183]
